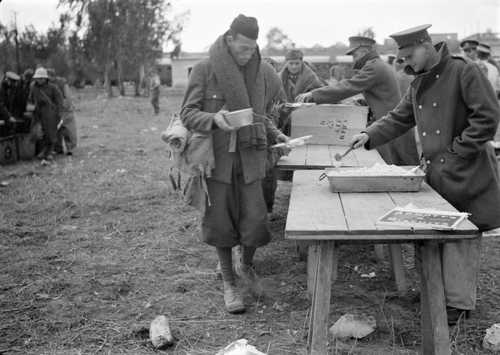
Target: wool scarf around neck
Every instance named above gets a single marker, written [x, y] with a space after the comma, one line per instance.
[242, 87]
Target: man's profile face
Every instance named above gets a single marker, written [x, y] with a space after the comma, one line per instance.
[470, 52]
[417, 59]
[294, 66]
[242, 48]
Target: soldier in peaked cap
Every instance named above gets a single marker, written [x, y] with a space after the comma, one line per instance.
[456, 112]
[469, 47]
[491, 71]
[376, 80]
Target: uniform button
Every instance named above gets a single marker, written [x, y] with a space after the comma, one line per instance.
[214, 96]
[434, 104]
[428, 162]
[437, 76]
[424, 134]
[441, 160]
[438, 132]
[419, 107]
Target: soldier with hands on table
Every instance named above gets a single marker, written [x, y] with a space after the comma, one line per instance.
[456, 112]
[376, 80]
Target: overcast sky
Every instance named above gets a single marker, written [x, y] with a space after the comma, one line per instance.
[306, 22]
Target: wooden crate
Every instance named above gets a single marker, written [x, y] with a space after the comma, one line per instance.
[8, 150]
[25, 147]
[329, 124]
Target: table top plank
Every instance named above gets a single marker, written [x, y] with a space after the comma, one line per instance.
[328, 213]
[296, 159]
[362, 210]
[315, 156]
[318, 155]
[316, 213]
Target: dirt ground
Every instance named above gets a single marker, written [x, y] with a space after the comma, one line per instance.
[94, 246]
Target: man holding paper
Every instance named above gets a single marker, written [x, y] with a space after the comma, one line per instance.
[456, 112]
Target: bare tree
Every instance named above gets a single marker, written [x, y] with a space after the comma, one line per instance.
[367, 32]
[278, 41]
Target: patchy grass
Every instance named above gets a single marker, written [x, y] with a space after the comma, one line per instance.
[96, 245]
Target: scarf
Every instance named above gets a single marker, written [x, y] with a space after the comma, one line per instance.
[243, 87]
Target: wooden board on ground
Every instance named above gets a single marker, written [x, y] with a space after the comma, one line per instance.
[315, 213]
[323, 156]
[329, 124]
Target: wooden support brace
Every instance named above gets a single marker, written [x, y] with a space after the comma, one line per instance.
[320, 309]
[435, 334]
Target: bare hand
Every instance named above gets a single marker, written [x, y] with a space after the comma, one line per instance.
[306, 97]
[221, 122]
[282, 138]
[12, 119]
[359, 140]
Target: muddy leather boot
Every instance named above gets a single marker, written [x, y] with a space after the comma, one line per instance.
[233, 299]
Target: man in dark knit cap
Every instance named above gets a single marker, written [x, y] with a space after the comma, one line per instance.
[231, 79]
[456, 112]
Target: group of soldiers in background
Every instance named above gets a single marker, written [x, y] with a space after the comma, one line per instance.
[480, 53]
[298, 77]
[38, 103]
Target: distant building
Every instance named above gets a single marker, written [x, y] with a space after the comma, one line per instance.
[181, 67]
[443, 37]
[311, 59]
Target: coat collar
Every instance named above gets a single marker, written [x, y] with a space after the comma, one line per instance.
[444, 57]
[363, 60]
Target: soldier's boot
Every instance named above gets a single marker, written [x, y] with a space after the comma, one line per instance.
[233, 299]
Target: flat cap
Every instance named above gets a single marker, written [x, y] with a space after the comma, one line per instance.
[294, 54]
[408, 39]
[484, 48]
[246, 26]
[469, 43]
[356, 42]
